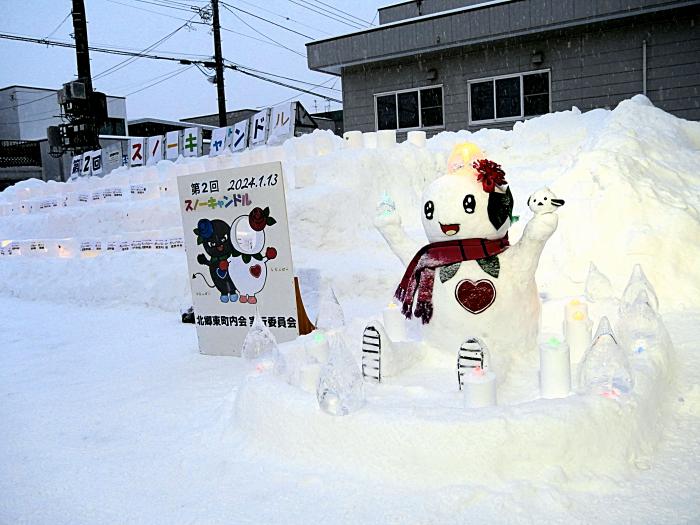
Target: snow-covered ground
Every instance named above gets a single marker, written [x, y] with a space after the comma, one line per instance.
[110, 415]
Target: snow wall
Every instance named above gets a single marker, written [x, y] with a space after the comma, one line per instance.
[629, 177]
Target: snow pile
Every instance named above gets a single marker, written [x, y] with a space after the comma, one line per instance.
[628, 177]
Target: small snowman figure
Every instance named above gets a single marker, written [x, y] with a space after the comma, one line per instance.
[544, 201]
[247, 264]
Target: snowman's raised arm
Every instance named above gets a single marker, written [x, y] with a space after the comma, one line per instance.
[389, 225]
[529, 248]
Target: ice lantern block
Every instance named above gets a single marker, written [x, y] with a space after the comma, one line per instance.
[259, 341]
[605, 370]
[638, 283]
[340, 387]
[640, 325]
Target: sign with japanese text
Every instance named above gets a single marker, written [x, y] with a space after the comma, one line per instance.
[155, 149]
[137, 151]
[87, 164]
[238, 254]
[76, 166]
[220, 141]
[96, 161]
[281, 123]
[239, 141]
[259, 125]
[192, 142]
[172, 145]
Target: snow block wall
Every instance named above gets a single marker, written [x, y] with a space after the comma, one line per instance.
[629, 178]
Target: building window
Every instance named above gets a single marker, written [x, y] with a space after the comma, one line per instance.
[509, 97]
[409, 109]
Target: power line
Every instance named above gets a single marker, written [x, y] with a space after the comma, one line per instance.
[286, 78]
[53, 94]
[59, 25]
[171, 75]
[344, 12]
[287, 18]
[184, 61]
[226, 6]
[321, 85]
[230, 7]
[313, 9]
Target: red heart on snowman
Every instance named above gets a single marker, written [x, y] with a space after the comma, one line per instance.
[223, 265]
[475, 297]
[255, 271]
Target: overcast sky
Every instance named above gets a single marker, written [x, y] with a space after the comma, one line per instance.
[137, 24]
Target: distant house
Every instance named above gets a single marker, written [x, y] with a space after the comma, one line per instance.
[148, 127]
[464, 64]
[232, 117]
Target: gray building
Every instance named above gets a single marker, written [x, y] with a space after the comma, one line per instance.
[464, 64]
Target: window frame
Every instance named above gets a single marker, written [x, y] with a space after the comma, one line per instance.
[493, 79]
[420, 107]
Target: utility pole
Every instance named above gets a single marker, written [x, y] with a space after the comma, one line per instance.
[82, 55]
[219, 63]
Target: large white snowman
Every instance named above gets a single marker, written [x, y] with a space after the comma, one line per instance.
[248, 266]
[468, 283]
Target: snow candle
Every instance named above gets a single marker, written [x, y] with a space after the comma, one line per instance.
[353, 139]
[417, 138]
[577, 329]
[386, 138]
[479, 388]
[555, 369]
[394, 322]
[370, 139]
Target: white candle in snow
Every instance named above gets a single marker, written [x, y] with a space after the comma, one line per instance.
[479, 388]
[394, 322]
[555, 369]
[574, 308]
[578, 335]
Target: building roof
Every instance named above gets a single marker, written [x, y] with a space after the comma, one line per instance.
[174, 123]
[470, 25]
[35, 88]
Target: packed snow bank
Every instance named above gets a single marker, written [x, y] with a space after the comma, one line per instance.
[628, 176]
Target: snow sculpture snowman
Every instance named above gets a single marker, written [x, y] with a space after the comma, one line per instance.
[468, 283]
[248, 265]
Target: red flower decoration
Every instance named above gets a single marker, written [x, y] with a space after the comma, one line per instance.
[271, 252]
[257, 219]
[489, 174]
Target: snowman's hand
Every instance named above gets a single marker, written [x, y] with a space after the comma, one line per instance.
[202, 259]
[386, 218]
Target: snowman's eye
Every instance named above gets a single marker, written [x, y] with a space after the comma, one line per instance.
[429, 209]
[469, 203]
[545, 198]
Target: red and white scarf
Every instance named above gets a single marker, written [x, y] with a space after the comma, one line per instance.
[416, 285]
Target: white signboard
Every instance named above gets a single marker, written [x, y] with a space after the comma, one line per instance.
[76, 167]
[219, 139]
[281, 123]
[86, 168]
[238, 254]
[239, 140]
[155, 149]
[137, 151]
[259, 125]
[192, 142]
[172, 145]
[96, 162]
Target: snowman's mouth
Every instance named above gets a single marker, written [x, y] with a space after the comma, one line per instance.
[449, 229]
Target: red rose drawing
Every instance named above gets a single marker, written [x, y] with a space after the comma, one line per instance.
[489, 174]
[271, 252]
[257, 219]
